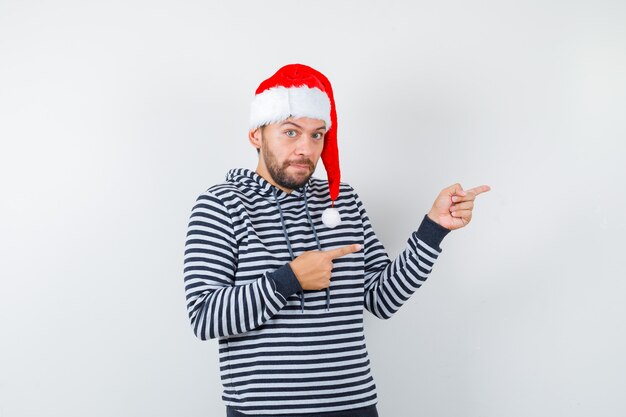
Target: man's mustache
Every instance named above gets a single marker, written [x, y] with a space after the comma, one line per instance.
[307, 163]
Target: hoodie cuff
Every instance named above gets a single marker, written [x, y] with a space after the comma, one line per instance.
[286, 281]
[431, 232]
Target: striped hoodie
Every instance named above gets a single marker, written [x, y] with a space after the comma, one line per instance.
[284, 350]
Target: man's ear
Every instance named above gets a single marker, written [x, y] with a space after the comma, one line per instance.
[254, 136]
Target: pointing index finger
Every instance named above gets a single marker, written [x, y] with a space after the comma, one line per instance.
[479, 190]
[345, 250]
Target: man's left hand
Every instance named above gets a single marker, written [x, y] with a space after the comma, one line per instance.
[453, 207]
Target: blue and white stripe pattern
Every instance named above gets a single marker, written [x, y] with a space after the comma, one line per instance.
[278, 356]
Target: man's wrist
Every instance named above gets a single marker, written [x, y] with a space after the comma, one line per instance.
[431, 232]
[431, 217]
[286, 281]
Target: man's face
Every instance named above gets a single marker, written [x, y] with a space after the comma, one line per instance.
[290, 150]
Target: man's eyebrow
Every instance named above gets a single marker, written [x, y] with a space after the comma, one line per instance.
[300, 127]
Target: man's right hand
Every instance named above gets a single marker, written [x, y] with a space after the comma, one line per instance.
[314, 268]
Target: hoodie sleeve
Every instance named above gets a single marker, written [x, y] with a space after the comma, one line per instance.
[389, 284]
[215, 305]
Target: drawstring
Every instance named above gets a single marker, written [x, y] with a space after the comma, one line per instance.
[282, 221]
[319, 247]
[317, 241]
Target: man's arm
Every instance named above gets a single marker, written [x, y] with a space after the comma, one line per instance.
[216, 307]
[389, 284]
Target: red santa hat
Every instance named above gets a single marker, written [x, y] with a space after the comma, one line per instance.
[297, 90]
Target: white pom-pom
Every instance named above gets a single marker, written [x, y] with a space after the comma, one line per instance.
[331, 217]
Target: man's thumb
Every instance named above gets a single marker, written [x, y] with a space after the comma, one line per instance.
[455, 189]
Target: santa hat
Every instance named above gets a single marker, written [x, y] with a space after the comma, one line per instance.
[297, 90]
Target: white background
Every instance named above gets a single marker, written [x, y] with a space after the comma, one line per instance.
[116, 115]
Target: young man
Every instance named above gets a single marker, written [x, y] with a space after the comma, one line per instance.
[280, 265]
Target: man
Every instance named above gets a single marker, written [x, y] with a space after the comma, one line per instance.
[279, 265]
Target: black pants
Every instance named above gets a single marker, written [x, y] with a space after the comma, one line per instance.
[369, 411]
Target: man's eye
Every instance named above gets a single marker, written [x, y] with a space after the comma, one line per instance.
[318, 135]
[291, 133]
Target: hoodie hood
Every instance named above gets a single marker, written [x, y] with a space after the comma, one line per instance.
[251, 180]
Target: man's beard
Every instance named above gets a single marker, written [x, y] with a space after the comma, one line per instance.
[279, 173]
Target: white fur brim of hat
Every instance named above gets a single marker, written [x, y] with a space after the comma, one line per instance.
[279, 103]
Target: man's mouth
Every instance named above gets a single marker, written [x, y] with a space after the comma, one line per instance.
[301, 166]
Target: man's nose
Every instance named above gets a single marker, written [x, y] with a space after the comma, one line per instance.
[304, 145]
